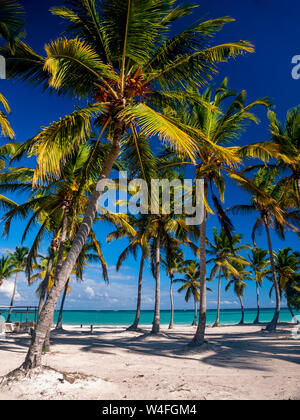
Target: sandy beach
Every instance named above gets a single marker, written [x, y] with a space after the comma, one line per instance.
[240, 362]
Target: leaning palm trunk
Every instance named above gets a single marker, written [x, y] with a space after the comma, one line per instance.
[34, 355]
[273, 324]
[156, 321]
[199, 338]
[258, 305]
[135, 325]
[196, 312]
[12, 298]
[171, 326]
[217, 323]
[243, 311]
[59, 325]
[298, 188]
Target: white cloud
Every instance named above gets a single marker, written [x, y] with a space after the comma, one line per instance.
[7, 289]
[90, 292]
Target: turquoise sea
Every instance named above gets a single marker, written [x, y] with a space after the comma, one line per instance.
[228, 317]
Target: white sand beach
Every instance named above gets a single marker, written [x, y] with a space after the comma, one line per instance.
[240, 362]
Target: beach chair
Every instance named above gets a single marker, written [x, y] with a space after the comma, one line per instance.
[9, 328]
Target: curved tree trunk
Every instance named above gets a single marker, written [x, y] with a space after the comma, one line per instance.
[171, 326]
[217, 323]
[271, 327]
[199, 338]
[196, 312]
[258, 305]
[156, 321]
[33, 358]
[12, 299]
[243, 311]
[59, 325]
[135, 325]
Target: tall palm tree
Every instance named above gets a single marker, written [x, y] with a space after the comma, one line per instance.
[191, 284]
[287, 265]
[225, 258]
[258, 262]
[207, 114]
[268, 201]
[122, 55]
[18, 261]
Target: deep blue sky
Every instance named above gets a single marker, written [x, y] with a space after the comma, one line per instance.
[273, 27]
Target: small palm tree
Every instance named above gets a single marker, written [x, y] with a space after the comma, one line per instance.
[238, 283]
[173, 261]
[18, 261]
[225, 257]
[259, 262]
[6, 269]
[287, 265]
[191, 284]
[287, 141]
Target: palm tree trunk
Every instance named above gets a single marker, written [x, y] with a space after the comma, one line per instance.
[199, 338]
[12, 299]
[171, 326]
[243, 311]
[60, 257]
[298, 188]
[47, 276]
[217, 323]
[34, 355]
[59, 325]
[273, 324]
[156, 321]
[292, 312]
[135, 325]
[258, 305]
[196, 312]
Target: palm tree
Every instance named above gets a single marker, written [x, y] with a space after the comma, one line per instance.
[259, 262]
[11, 21]
[172, 262]
[287, 140]
[18, 261]
[225, 258]
[269, 201]
[137, 231]
[287, 265]
[11, 24]
[6, 269]
[122, 56]
[206, 115]
[238, 283]
[191, 284]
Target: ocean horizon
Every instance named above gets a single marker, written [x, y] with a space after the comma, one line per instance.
[181, 317]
